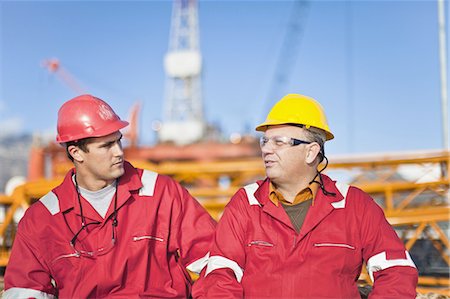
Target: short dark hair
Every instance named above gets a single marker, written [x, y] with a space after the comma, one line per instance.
[81, 144]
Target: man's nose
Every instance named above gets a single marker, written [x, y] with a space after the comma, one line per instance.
[267, 148]
[118, 151]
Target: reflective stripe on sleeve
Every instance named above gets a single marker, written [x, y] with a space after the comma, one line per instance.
[219, 262]
[199, 264]
[148, 180]
[379, 262]
[25, 293]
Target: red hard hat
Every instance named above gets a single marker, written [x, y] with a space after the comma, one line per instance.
[86, 116]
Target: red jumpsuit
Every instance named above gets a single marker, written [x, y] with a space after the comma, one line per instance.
[161, 231]
[257, 253]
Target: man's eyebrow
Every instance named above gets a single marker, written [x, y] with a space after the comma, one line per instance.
[108, 143]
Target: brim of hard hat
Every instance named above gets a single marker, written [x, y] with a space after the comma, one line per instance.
[118, 125]
[264, 126]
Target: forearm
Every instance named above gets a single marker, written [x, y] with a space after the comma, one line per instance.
[220, 283]
[396, 282]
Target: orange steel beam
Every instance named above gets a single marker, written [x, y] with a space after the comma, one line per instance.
[376, 187]
[388, 159]
[408, 199]
[417, 233]
[440, 291]
[436, 281]
[6, 200]
[418, 215]
[441, 234]
[255, 165]
[437, 244]
[18, 199]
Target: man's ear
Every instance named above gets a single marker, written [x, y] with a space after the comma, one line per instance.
[75, 152]
[313, 151]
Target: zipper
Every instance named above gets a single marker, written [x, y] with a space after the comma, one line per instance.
[148, 238]
[260, 243]
[334, 245]
[75, 254]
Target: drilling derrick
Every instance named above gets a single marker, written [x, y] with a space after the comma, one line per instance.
[183, 121]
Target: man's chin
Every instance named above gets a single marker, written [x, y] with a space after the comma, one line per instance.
[271, 175]
[118, 172]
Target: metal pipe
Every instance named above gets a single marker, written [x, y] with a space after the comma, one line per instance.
[443, 71]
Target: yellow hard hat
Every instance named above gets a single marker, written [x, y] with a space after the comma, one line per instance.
[299, 110]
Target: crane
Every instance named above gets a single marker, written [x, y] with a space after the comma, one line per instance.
[288, 53]
[54, 67]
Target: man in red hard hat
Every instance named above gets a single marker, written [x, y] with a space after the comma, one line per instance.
[109, 230]
[297, 233]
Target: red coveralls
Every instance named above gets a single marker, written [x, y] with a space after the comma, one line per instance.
[161, 231]
[257, 253]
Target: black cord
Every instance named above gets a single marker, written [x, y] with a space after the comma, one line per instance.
[320, 182]
[115, 222]
[83, 219]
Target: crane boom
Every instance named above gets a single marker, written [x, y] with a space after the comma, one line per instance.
[54, 66]
[288, 53]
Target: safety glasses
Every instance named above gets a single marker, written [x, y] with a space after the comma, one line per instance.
[79, 251]
[279, 142]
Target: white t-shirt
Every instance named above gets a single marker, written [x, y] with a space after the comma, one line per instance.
[101, 199]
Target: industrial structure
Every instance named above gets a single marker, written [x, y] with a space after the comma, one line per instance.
[183, 121]
[418, 206]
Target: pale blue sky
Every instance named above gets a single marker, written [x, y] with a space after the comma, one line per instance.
[373, 65]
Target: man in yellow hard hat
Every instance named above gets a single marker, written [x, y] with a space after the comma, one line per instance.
[298, 234]
[110, 230]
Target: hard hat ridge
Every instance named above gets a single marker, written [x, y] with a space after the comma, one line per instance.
[86, 116]
[296, 109]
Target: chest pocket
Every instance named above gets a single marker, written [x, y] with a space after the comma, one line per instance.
[65, 264]
[149, 242]
[343, 257]
[261, 248]
[262, 257]
[335, 244]
[261, 243]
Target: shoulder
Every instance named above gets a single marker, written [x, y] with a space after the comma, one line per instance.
[151, 177]
[247, 193]
[51, 203]
[360, 198]
[39, 213]
[352, 195]
[148, 179]
[251, 195]
[159, 185]
[356, 199]
[151, 180]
